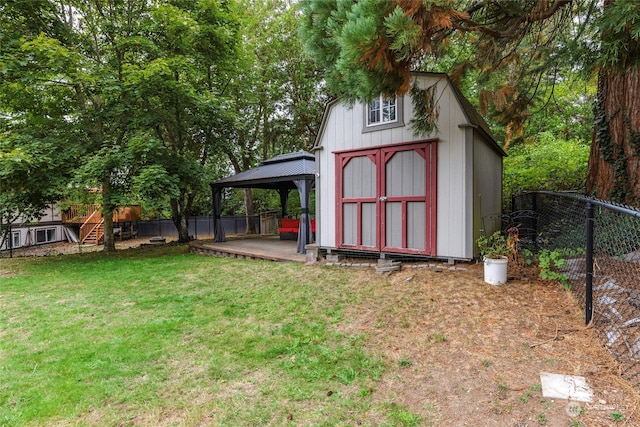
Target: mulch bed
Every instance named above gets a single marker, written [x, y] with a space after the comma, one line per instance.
[468, 353]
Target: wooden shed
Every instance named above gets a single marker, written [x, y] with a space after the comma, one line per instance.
[385, 185]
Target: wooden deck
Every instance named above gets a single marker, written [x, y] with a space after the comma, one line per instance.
[269, 248]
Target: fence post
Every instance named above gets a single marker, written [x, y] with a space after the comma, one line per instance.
[589, 267]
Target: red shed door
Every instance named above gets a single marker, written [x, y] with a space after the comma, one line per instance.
[386, 199]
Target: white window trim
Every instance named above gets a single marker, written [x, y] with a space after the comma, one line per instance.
[398, 122]
[46, 234]
[15, 234]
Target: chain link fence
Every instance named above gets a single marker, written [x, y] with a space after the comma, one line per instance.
[593, 248]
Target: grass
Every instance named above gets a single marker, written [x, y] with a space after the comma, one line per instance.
[161, 337]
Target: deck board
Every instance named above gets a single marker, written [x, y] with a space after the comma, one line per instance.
[269, 248]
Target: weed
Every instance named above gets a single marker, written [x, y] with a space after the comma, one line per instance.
[574, 410]
[402, 416]
[502, 391]
[528, 256]
[404, 363]
[486, 363]
[438, 338]
[549, 262]
[542, 419]
[616, 416]
[366, 392]
[502, 408]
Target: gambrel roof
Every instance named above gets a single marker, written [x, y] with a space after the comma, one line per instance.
[474, 119]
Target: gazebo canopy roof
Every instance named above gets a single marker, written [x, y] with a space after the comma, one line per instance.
[275, 173]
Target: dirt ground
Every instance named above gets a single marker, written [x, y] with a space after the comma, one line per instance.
[65, 248]
[465, 353]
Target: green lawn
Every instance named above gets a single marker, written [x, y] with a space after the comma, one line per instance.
[158, 336]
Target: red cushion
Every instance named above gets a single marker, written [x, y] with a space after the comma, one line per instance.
[289, 225]
[287, 230]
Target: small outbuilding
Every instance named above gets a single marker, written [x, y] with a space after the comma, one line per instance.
[417, 174]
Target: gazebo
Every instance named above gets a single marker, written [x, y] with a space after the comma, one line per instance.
[282, 173]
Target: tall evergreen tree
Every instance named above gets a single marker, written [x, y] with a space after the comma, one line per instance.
[369, 47]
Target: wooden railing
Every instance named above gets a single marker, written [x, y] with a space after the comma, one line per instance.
[79, 213]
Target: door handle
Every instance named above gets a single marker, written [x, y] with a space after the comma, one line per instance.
[382, 199]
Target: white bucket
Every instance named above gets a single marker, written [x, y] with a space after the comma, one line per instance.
[495, 271]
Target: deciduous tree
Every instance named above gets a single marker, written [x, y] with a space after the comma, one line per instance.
[126, 89]
[38, 146]
[276, 90]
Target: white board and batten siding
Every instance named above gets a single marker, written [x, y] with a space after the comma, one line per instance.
[469, 167]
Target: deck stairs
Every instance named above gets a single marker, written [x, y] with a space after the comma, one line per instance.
[92, 230]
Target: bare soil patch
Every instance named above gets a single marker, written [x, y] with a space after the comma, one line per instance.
[465, 353]
[65, 248]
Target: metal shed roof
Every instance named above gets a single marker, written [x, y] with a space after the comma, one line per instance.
[277, 172]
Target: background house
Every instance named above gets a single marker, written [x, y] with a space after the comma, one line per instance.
[383, 187]
[48, 229]
[79, 222]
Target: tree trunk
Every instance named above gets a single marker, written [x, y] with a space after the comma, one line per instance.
[107, 213]
[248, 206]
[182, 225]
[614, 162]
[179, 218]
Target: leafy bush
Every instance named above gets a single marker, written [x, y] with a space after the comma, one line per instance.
[549, 263]
[549, 164]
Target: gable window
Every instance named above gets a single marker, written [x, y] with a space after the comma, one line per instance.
[382, 110]
[382, 113]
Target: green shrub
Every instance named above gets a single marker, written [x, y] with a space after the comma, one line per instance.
[548, 164]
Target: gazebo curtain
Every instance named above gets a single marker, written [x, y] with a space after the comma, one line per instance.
[304, 232]
[284, 201]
